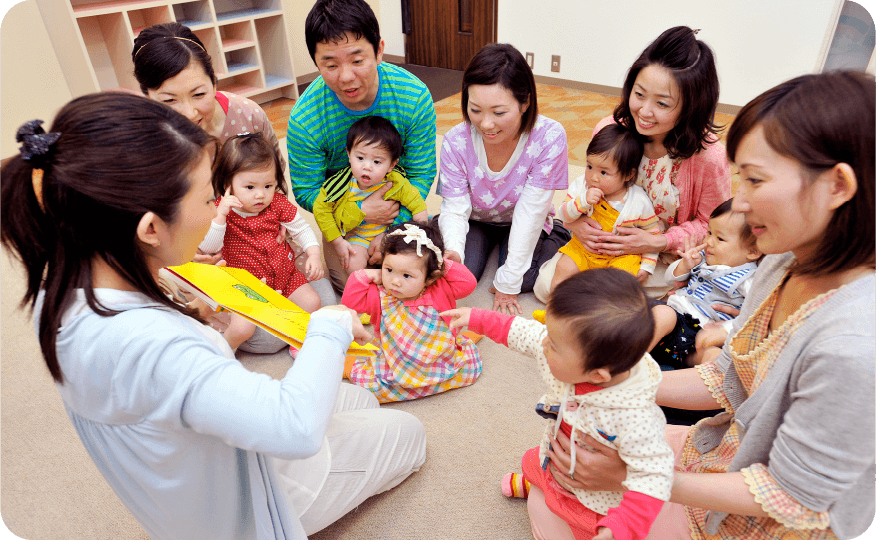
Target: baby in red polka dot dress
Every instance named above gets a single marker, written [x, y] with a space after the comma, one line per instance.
[248, 222]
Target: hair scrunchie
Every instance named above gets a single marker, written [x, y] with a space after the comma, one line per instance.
[35, 141]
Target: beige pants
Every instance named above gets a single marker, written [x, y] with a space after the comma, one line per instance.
[370, 450]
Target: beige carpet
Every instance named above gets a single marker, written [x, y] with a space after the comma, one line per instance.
[49, 488]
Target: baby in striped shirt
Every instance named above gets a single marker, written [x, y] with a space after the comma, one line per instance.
[374, 147]
[718, 271]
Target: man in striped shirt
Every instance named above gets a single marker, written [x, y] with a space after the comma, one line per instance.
[343, 39]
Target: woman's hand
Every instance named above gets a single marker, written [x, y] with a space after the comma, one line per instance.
[313, 267]
[587, 231]
[711, 335]
[629, 241]
[505, 303]
[597, 469]
[460, 317]
[729, 310]
[453, 256]
[360, 335]
[379, 211]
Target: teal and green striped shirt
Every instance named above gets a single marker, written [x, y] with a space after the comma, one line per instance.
[317, 133]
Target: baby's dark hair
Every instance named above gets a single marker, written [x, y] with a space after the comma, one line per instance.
[610, 314]
[620, 145]
[393, 245]
[249, 152]
[745, 234]
[375, 130]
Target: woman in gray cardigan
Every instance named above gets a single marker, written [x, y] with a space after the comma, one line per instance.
[793, 451]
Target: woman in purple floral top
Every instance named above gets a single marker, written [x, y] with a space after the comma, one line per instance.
[499, 170]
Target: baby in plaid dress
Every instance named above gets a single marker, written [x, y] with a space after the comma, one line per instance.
[420, 354]
[249, 220]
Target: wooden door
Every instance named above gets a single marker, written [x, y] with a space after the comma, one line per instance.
[447, 33]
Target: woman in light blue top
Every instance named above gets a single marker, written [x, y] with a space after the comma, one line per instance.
[194, 445]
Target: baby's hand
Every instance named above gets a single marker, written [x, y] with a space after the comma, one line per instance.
[228, 202]
[642, 276]
[690, 255]
[461, 317]
[344, 250]
[594, 195]
[604, 533]
[313, 267]
[453, 256]
[374, 275]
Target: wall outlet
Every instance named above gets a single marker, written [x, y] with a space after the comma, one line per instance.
[555, 63]
[530, 59]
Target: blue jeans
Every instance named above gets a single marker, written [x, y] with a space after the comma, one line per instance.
[483, 237]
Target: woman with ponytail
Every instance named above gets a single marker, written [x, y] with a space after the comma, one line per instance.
[194, 444]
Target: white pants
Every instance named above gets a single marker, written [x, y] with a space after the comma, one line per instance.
[369, 450]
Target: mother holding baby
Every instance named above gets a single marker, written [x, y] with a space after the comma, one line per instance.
[669, 96]
[792, 453]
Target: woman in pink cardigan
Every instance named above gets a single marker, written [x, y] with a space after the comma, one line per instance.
[669, 96]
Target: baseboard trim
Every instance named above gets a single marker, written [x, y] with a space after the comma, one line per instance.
[614, 91]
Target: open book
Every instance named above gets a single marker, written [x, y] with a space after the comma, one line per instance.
[238, 291]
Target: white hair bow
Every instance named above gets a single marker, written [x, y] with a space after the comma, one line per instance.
[412, 233]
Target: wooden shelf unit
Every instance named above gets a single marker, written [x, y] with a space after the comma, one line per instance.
[246, 40]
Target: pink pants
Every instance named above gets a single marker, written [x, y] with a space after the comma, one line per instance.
[671, 522]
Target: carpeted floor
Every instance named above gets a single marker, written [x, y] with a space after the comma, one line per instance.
[50, 489]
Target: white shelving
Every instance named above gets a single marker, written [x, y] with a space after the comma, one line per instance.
[246, 40]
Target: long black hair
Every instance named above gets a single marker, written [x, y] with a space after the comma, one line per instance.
[692, 65]
[118, 157]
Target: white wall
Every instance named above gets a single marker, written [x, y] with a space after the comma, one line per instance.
[390, 27]
[32, 84]
[757, 43]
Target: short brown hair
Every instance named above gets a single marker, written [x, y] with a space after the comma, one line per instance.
[821, 121]
[502, 64]
[611, 315]
[247, 152]
[745, 234]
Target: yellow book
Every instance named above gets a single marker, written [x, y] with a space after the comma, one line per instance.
[238, 291]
